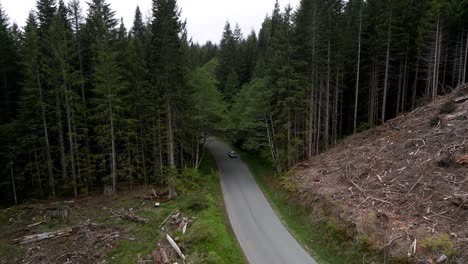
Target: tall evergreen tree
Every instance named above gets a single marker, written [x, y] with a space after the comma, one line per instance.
[8, 70]
[167, 73]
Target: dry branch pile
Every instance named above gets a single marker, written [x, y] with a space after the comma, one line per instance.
[400, 182]
[86, 243]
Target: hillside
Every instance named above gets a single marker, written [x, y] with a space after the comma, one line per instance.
[403, 186]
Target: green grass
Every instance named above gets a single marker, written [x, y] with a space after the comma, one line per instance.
[207, 240]
[209, 236]
[323, 239]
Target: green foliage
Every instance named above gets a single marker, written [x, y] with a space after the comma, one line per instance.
[440, 244]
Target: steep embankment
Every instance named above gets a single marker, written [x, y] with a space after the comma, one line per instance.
[402, 187]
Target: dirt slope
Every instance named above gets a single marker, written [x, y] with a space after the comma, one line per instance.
[403, 186]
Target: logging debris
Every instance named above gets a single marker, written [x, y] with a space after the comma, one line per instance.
[131, 216]
[399, 183]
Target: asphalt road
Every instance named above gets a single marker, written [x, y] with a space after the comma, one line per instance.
[261, 234]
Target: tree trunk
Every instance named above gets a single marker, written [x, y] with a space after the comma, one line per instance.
[460, 62]
[435, 72]
[404, 96]
[415, 85]
[113, 153]
[6, 96]
[327, 94]
[356, 96]
[455, 56]
[370, 111]
[466, 60]
[38, 171]
[129, 161]
[335, 110]
[143, 159]
[444, 75]
[71, 141]
[387, 66]
[317, 141]
[161, 162]
[312, 108]
[170, 153]
[46, 134]
[13, 182]
[68, 106]
[63, 161]
[399, 90]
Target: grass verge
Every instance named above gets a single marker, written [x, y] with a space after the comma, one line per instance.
[207, 240]
[322, 238]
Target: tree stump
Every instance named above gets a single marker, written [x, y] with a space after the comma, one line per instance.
[108, 191]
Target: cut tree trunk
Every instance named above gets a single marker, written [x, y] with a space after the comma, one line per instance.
[43, 236]
[108, 191]
[175, 247]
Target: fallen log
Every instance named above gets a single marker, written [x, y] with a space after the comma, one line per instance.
[175, 247]
[131, 217]
[35, 224]
[43, 236]
[461, 99]
[456, 115]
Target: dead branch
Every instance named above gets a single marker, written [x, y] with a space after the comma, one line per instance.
[174, 246]
[392, 240]
[167, 218]
[414, 185]
[35, 224]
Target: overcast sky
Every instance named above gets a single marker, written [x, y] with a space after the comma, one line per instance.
[206, 18]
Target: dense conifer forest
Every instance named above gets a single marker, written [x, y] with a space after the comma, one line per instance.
[88, 103]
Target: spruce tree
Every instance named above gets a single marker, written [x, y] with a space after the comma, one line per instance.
[167, 73]
[227, 56]
[34, 108]
[8, 70]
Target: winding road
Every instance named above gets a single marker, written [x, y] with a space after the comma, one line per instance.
[261, 234]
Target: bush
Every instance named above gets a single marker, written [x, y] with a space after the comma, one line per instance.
[200, 232]
[195, 203]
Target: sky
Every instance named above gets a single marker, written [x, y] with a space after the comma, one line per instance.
[205, 18]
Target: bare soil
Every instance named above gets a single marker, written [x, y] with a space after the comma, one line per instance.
[403, 186]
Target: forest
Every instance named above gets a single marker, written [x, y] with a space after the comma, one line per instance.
[87, 104]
